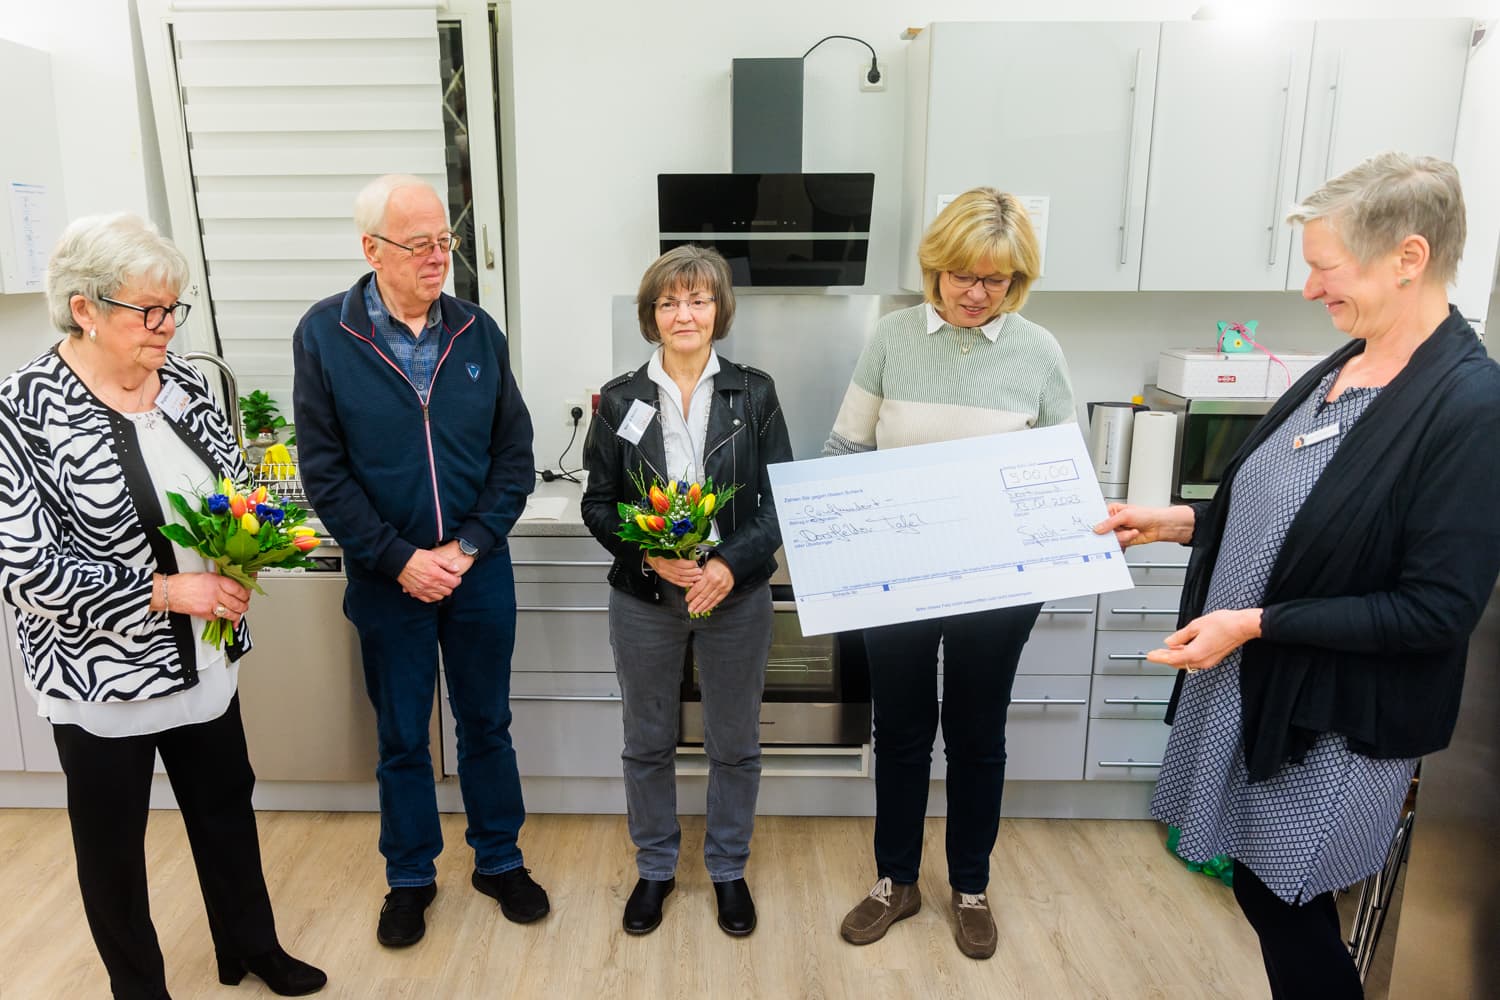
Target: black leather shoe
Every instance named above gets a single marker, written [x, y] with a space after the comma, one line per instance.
[521, 899]
[736, 908]
[401, 921]
[283, 974]
[643, 908]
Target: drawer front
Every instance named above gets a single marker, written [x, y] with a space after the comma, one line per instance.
[1062, 640]
[1125, 749]
[1126, 697]
[1045, 730]
[563, 640]
[556, 735]
[556, 548]
[561, 571]
[1157, 564]
[547, 597]
[1144, 609]
[1125, 653]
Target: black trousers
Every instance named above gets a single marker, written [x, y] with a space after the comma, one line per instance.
[109, 786]
[1303, 946]
[980, 654]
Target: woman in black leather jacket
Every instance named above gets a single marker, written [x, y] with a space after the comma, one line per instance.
[689, 415]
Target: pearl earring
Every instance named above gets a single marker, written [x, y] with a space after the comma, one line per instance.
[93, 336]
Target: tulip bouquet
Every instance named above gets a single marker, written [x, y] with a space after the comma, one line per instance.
[673, 519]
[243, 532]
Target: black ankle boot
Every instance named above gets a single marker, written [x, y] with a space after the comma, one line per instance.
[643, 908]
[283, 975]
[736, 908]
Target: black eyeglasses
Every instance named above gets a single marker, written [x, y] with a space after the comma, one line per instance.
[423, 248]
[993, 283]
[155, 316]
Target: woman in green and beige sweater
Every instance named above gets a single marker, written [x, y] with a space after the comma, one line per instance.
[962, 364]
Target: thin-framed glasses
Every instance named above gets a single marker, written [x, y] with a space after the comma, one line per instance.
[424, 247]
[155, 316]
[698, 304]
[994, 283]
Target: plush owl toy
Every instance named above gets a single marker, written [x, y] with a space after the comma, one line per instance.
[1237, 338]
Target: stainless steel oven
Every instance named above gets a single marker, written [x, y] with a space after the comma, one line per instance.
[817, 688]
[1209, 432]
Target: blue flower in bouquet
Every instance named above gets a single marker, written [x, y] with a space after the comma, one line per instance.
[682, 486]
[267, 512]
[682, 526]
[218, 503]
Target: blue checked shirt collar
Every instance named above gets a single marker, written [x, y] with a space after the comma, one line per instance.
[416, 356]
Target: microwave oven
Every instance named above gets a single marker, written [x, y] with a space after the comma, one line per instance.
[1209, 432]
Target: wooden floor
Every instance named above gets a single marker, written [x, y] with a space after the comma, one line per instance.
[1085, 909]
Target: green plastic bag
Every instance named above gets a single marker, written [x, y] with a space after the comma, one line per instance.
[1220, 866]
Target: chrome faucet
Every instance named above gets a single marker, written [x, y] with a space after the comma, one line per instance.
[234, 390]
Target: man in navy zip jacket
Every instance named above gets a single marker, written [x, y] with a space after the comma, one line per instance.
[415, 449]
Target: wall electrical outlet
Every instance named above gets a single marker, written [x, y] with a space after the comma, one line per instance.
[864, 80]
[582, 404]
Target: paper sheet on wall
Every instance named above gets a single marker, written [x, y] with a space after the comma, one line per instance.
[1037, 207]
[944, 529]
[28, 214]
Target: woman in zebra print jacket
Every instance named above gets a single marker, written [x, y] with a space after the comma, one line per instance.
[92, 434]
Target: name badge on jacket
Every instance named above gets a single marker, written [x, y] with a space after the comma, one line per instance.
[636, 421]
[1313, 437]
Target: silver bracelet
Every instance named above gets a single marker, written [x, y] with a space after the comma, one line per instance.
[166, 596]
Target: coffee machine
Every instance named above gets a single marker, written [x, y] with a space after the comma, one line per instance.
[1110, 428]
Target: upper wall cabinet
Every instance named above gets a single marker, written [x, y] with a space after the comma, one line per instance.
[1378, 85]
[1229, 107]
[1054, 110]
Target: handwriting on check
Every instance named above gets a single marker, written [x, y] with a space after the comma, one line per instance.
[826, 521]
[1042, 497]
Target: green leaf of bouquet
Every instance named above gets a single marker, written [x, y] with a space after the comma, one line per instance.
[179, 504]
[180, 535]
[241, 547]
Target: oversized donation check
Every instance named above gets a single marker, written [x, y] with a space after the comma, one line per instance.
[944, 529]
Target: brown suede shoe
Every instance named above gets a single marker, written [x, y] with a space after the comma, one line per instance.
[886, 904]
[975, 928]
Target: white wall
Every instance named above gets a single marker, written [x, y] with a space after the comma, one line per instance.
[646, 90]
[110, 163]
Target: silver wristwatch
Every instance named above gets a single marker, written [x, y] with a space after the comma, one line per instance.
[467, 547]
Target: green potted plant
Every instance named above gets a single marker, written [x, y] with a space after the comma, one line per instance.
[263, 424]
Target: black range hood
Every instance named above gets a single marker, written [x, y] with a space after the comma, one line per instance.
[774, 229]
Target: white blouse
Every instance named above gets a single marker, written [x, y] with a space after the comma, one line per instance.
[172, 466]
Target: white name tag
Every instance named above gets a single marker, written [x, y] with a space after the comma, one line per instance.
[1313, 437]
[172, 400]
[636, 421]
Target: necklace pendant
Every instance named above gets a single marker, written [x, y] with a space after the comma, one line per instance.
[965, 348]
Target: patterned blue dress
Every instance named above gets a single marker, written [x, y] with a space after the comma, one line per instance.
[1316, 826]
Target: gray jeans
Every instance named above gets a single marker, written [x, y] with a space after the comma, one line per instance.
[731, 645]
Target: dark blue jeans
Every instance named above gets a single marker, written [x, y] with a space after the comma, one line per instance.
[400, 637]
[980, 654]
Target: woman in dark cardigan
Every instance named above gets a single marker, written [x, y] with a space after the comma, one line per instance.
[1336, 576]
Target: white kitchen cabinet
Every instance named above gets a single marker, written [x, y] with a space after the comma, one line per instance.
[1378, 85]
[11, 758]
[1061, 110]
[37, 747]
[1226, 134]
[1045, 731]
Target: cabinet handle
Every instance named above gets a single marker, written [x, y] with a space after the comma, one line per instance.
[1143, 611]
[1286, 114]
[1049, 701]
[566, 697]
[560, 562]
[1333, 115]
[783, 605]
[1067, 611]
[489, 255]
[1128, 763]
[1127, 656]
[557, 608]
[1135, 701]
[1154, 565]
[1135, 102]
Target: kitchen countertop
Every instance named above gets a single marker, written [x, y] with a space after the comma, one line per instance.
[568, 524]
